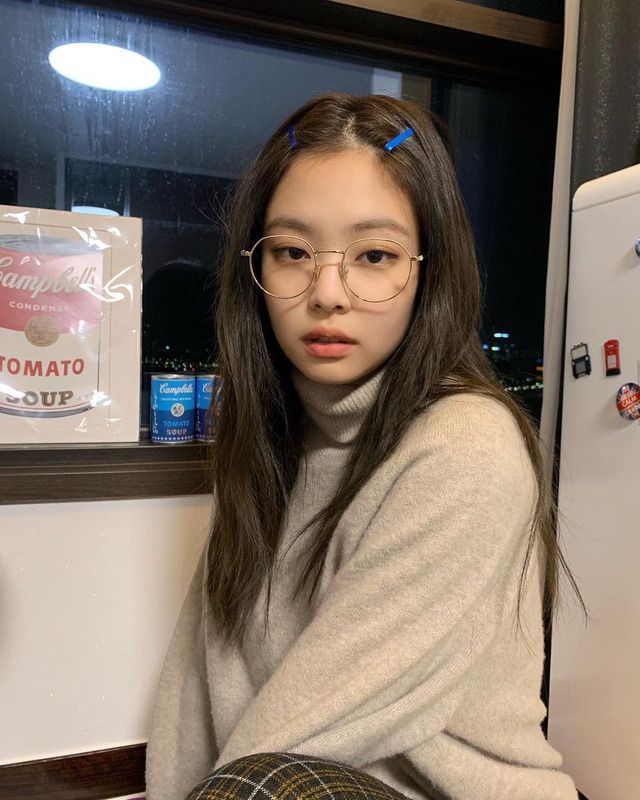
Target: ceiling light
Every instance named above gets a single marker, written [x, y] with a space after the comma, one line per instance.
[104, 66]
[105, 212]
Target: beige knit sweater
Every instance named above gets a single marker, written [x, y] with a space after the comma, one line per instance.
[409, 665]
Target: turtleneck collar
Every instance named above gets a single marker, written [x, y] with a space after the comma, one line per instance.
[338, 410]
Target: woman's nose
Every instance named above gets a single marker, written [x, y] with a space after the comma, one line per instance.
[328, 289]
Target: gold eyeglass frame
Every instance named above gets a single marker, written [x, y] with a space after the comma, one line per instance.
[316, 269]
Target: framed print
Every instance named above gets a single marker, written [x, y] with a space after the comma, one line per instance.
[70, 305]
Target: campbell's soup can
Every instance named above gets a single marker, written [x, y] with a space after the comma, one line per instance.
[172, 408]
[208, 389]
[50, 320]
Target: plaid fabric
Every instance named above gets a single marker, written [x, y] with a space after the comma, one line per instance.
[290, 776]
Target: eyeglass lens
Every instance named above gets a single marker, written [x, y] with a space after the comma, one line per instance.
[375, 269]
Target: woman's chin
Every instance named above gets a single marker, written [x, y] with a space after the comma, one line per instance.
[335, 371]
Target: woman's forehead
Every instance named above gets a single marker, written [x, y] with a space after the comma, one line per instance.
[345, 192]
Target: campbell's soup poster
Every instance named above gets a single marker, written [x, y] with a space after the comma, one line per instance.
[50, 314]
[69, 343]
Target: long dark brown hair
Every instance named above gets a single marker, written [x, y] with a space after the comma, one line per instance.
[257, 453]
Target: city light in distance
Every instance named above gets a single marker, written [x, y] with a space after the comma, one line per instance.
[104, 66]
[525, 387]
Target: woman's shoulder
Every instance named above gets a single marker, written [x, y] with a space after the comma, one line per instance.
[463, 403]
[466, 449]
[466, 412]
[467, 426]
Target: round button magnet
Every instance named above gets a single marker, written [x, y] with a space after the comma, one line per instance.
[628, 401]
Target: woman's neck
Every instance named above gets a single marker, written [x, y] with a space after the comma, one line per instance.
[338, 410]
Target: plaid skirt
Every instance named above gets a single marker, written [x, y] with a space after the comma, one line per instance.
[290, 776]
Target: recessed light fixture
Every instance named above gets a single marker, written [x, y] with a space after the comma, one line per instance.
[104, 66]
[105, 212]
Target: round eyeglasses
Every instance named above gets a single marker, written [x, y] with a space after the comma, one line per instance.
[374, 270]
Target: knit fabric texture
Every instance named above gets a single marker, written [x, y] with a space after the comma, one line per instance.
[409, 663]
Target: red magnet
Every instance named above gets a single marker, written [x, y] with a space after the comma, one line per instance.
[628, 401]
[612, 356]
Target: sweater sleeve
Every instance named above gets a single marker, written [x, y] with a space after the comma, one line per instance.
[383, 664]
[181, 748]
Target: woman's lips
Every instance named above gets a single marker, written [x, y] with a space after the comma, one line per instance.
[327, 349]
[326, 342]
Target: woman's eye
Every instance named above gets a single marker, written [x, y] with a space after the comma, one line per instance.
[294, 253]
[376, 256]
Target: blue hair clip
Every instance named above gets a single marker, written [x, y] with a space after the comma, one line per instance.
[398, 139]
[292, 136]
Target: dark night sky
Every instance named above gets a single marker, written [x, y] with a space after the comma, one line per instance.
[505, 159]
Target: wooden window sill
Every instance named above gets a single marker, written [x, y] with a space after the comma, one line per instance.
[81, 472]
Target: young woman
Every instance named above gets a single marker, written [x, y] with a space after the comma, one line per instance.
[368, 610]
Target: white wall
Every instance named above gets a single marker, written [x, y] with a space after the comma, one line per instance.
[89, 595]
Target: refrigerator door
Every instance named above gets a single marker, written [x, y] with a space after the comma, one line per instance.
[594, 700]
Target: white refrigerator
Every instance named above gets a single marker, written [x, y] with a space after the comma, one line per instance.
[594, 696]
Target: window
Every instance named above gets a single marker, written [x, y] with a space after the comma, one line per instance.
[171, 155]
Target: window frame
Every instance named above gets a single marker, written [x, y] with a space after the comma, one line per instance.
[447, 38]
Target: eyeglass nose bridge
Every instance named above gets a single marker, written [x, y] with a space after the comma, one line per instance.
[317, 266]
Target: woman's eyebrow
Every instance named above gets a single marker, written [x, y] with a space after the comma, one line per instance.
[379, 223]
[288, 222]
